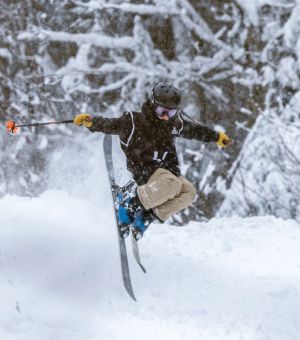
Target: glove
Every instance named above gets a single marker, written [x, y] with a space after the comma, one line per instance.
[83, 119]
[223, 140]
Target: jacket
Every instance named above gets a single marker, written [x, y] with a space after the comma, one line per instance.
[148, 142]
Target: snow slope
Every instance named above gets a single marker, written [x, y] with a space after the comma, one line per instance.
[226, 279]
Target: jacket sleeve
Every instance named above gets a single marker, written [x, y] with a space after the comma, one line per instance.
[113, 126]
[198, 132]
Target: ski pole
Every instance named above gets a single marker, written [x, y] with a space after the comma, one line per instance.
[12, 127]
[226, 142]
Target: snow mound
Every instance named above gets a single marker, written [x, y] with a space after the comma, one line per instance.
[226, 279]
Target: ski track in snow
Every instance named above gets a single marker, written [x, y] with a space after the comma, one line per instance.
[226, 279]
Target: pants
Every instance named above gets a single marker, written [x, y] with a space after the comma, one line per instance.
[166, 193]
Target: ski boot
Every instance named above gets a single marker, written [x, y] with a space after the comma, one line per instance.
[124, 218]
[142, 220]
[126, 205]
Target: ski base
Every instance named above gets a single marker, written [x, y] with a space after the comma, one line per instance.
[107, 147]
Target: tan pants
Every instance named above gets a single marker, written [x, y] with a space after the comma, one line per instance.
[166, 193]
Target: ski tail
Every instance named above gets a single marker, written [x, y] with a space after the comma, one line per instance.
[136, 252]
[125, 269]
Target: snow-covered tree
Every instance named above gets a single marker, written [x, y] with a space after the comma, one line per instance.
[266, 173]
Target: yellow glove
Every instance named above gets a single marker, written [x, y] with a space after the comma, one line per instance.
[223, 140]
[83, 119]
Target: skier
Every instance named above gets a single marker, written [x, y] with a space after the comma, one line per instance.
[148, 140]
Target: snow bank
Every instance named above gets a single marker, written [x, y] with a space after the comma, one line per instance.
[226, 279]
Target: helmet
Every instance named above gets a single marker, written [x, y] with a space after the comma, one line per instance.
[166, 95]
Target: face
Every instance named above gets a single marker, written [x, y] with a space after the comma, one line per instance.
[164, 113]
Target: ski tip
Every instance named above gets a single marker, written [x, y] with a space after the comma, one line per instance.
[143, 268]
[132, 296]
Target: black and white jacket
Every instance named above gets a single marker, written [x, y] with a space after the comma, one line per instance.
[148, 142]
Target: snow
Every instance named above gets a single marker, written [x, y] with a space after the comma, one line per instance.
[4, 52]
[229, 278]
[79, 38]
[252, 7]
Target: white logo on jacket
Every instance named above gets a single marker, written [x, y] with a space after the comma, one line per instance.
[175, 131]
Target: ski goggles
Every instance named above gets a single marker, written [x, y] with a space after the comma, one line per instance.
[162, 111]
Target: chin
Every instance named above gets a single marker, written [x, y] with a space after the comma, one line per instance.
[164, 119]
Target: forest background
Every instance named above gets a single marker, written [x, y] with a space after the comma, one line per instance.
[237, 64]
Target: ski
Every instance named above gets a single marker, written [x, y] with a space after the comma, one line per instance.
[136, 252]
[107, 147]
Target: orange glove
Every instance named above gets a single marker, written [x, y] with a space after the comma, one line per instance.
[223, 140]
[83, 119]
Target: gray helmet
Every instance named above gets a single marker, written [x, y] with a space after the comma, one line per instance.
[166, 95]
